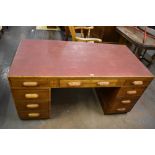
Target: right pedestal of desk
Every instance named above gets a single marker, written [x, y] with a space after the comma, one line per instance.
[122, 99]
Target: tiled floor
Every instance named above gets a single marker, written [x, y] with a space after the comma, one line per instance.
[71, 108]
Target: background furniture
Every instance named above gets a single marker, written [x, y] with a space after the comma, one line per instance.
[107, 34]
[55, 28]
[85, 37]
[40, 65]
[136, 37]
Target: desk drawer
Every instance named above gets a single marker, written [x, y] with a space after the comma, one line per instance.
[119, 110]
[74, 83]
[33, 105]
[29, 82]
[91, 83]
[107, 83]
[31, 94]
[130, 91]
[125, 103]
[37, 114]
[138, 82]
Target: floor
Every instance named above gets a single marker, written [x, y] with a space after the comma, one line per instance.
[71, 108]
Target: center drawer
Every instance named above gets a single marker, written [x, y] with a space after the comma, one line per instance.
[31, 94]
[91, 83]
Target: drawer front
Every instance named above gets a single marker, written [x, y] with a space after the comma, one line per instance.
[121, 105]
[107, 83]
[138, 82]
[24, 106]
[74, 83]
[90, 83]
[31, 94]
[29, 83]
[34, 114]
[131, 91]
[116, 111]
[124, 103]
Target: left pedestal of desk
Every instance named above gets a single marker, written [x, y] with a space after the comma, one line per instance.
[32, 97]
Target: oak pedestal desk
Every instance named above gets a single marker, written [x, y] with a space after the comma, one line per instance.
[118, 77]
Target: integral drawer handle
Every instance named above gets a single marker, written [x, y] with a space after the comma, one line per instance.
[31, 96]
[121, 109]
[30, 84]
[132, 92]
[76, 83]
[126, 101]
[32, 106]
[33, 115]
[137, 83]
[103, 83]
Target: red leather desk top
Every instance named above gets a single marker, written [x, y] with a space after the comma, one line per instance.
[66, 58]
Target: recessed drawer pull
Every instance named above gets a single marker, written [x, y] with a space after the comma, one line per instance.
[32, 106]
[103, 83]
[33, 115]
[121, 109]
[31, 96]
[126, 101]
[75, 83]
[137, 83]
[132, 92]
[30, 84]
